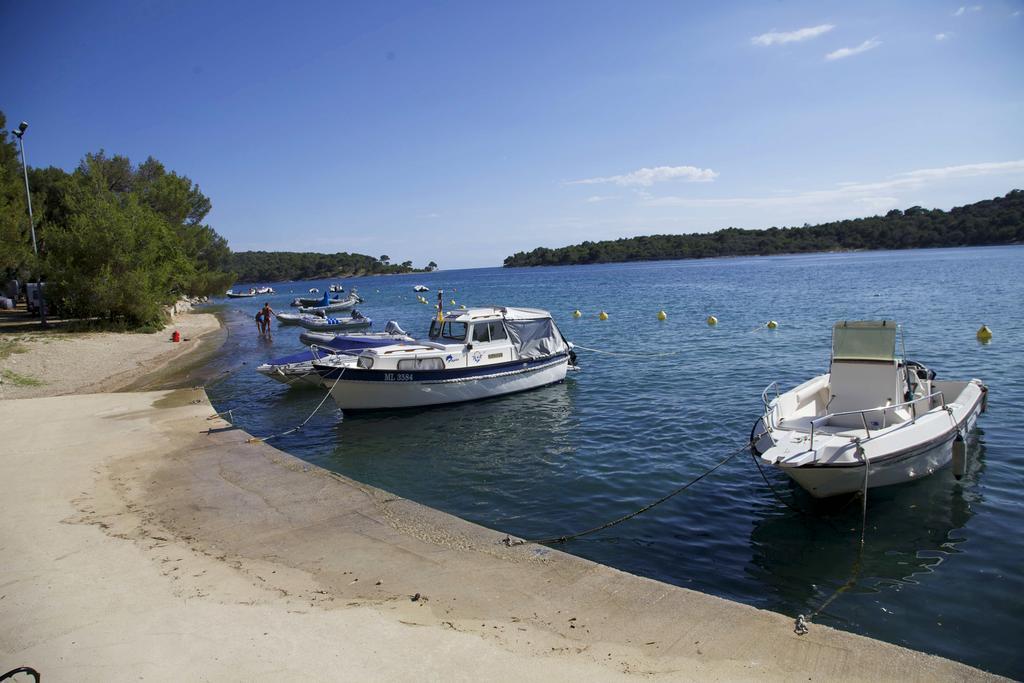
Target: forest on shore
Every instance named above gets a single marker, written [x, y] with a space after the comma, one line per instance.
[988, 222]
[117, 241]
[278, 266]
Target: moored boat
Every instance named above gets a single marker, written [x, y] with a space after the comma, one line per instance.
[469, 355]
[874, 420]
[333, 305]
[297, 369]
[232, 294]
[356, 321]
[420, 288]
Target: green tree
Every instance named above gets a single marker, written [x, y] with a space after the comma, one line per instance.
[15, 242]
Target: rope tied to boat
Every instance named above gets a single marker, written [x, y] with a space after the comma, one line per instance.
[261, 439]
[803, 622]
[508, 541]
[626, 355]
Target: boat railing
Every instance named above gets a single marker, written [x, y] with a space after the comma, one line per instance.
[824, 419]
[770, 404]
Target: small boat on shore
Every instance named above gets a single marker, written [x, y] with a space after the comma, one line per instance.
[357, 321]
[288, 318]
[469, 355]
[297, 369]
[232, 294]
[874, 420]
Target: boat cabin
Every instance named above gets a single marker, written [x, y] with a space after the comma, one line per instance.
[475, 337]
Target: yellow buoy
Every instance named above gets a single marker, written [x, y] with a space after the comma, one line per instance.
[577, 314]
[662, 315]
[453, 301]
[712, 320]
[462, 306]
[772, 325]
[602, 316]
[984, 334]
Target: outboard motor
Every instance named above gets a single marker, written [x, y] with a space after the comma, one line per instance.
[394, 328]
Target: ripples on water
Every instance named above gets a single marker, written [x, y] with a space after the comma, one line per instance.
[941, 567]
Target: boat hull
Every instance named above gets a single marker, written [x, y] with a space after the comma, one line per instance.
[825, 482]
[369, 390]
[887, 466]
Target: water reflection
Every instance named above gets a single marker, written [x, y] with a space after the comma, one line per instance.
[911, 528]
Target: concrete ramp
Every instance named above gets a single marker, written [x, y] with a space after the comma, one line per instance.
[140, 539]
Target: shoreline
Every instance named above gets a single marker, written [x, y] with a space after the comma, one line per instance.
[164, 540]
[40, 363]
[179, 527]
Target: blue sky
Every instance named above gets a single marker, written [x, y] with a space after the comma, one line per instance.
[463, 132]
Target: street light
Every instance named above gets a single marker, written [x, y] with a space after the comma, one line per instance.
[20, 134]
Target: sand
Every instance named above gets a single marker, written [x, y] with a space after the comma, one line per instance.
[55, 364]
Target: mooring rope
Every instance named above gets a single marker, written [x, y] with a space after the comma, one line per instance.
[260, 439]
[627, 355]
[803, 622]
[568, 537]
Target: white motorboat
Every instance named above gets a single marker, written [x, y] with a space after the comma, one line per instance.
[264, 290]
[874, 420]
[470, 354]
[232, 294]
[392, 333]
[421, 288]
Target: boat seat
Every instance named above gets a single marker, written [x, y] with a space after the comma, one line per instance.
[861, 385]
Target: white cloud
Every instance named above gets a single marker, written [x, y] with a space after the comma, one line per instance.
[942, 36]
[843, 52]
[876, 193]
[599, 198]
[967, 8]
[783, 37]
[1016, 14]
[645, 177]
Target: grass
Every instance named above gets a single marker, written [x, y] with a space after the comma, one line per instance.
[10, 347]
[11, 377]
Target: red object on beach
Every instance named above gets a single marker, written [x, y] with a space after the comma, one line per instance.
[175, 336]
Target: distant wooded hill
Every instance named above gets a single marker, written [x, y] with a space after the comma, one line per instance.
[278, 266]
[993, 221]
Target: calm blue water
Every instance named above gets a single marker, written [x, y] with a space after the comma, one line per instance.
[941, 571]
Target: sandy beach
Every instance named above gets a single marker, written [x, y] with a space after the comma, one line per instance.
[55, 363]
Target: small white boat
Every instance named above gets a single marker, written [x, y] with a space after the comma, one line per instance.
[289, 318]
[264, 290]
[470, 355]
[873, 420]
[336, 289]
[333, 306]
[421, 288]
[232, 294]
[327, 323]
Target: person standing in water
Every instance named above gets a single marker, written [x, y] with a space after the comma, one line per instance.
[266, 312]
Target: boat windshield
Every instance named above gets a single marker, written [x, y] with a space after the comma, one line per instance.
[449, 329]
[873, 340]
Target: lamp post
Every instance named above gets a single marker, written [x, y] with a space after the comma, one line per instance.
[20, 134]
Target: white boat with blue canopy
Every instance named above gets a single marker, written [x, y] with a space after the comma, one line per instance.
[875, 419]
[469, 355]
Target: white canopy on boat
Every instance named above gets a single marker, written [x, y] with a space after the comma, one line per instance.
[873, 340]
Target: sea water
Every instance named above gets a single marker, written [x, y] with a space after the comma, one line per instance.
[658, 402]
